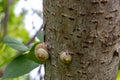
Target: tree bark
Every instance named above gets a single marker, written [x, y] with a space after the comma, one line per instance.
[90, 30]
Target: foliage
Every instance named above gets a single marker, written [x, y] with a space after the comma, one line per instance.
[23, 63]
[31, 55]
[14, 44]
[19, 66]
[15, 28]
[118, 75]
[24, 77]
[40, 36]
[5, 51]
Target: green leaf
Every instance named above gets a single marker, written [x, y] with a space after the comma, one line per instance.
[32, 56]
[14, 44]
[19, 66]
[40, 36]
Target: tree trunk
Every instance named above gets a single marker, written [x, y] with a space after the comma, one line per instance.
[90, 30]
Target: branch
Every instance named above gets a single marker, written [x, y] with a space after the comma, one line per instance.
[4, 21]
[33, 38]
[6, 17]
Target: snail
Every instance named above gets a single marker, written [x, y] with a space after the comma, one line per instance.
[65, 57]
[41, 52]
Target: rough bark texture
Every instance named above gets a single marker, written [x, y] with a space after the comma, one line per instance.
[90, 30]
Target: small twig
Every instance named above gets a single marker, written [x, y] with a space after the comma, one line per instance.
[33, 38]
